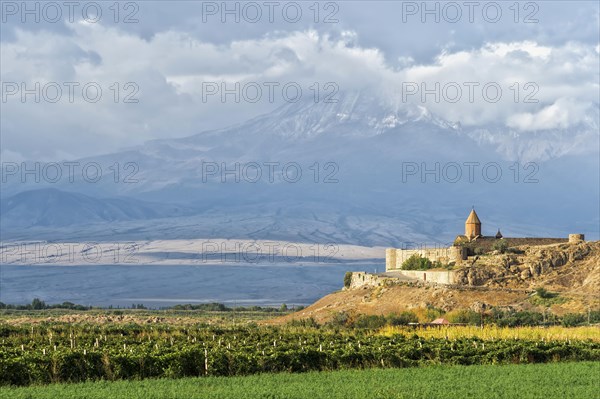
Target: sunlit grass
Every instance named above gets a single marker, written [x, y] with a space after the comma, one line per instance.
[554, 333]
[559, 380]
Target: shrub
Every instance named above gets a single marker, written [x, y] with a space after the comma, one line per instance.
[402, 319]
[573, 319]
[479, 251]
[369, 321]
[544, 297]
[544, 293]
[427, 314]
[440, 265]
[308, 323]
[500, 246]
[464, 316]
[518, 319]
[416, 262]
[347, 279]
[340, 319]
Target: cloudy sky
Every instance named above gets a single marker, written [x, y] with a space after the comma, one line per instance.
[161, 66]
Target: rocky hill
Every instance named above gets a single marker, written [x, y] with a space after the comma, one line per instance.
[562, 267]
[571, 271]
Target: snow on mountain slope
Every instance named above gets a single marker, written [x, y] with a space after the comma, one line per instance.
[355, 158]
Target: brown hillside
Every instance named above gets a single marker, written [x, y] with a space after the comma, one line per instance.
[503, 280]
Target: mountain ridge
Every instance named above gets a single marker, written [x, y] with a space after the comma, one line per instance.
[354, 157]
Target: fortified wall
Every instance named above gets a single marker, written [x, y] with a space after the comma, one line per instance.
[364, 279]
[446, 277]
[395, 257]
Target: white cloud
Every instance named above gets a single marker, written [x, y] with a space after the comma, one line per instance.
[169, 69]
[531, 78]
[559, 115]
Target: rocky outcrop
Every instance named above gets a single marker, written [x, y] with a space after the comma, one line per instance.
[530, 265]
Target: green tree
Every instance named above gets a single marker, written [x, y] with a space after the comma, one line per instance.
[38, 304]
[402, 319]
[416, 262]
[347, 279]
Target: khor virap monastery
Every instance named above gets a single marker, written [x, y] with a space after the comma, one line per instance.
[471, 243]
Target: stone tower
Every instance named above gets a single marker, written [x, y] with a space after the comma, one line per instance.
[473, 226]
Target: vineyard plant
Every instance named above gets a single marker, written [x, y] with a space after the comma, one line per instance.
[61, 352]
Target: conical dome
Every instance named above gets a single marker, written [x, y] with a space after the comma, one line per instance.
[473, 226]
[473, 218]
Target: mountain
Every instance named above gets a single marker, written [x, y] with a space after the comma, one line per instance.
[55, 208]
[363, 171]
[544, 145]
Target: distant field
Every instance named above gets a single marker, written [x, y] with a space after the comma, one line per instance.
[562, 380]
[124, 316]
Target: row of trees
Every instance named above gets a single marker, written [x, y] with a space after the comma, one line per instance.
[38, 304]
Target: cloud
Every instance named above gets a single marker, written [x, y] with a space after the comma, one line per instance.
[510, 80]
[562, 114]
[166, 73]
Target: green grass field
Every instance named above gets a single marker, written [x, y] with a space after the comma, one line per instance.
[579, 380]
